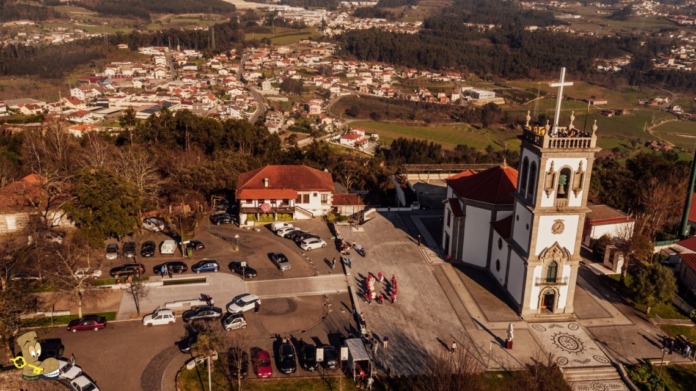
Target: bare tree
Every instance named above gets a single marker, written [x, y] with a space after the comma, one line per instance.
[139, 169]
[97, 153]
[451, 371]
[137, 289]
[16, 295]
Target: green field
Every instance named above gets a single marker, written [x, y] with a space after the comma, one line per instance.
[283, 35]
[448, 135]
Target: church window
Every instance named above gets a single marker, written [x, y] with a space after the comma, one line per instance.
[551, 272]
[523, 177]
[500, 243]
[517, 217]
[563, 183]
[532, 181]
[527, 226]
[449, 218]
[497, 265]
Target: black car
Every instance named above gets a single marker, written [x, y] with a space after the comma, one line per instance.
[330, 357]
[247, 271]
[187, 343]
[174, 266]
[148, 249]
[292, 234]
[305, 235]
[128, 250]
[308, 357]
[52, 347]
[128, 269]
[202, 313]
[195, 245]
[286, 358]
[221, 218]
[238, 361]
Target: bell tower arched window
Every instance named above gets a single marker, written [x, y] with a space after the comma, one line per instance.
[532, 181]
[523, 177]
[563, 183]
[551, 272]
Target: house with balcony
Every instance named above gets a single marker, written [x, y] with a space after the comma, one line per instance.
[283, 192]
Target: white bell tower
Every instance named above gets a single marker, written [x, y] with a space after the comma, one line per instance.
[549, 211]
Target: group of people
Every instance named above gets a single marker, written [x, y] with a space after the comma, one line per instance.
[371, 292]
[681, 344]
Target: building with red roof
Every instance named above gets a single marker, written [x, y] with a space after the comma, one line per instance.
[21, 199]
[687, 271]
[278, 192]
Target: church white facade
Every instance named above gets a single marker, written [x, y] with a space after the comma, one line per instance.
[525, 226]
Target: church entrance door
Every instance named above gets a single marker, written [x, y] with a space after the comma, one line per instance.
[549, 300]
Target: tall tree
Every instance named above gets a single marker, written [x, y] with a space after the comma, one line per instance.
[654, 284]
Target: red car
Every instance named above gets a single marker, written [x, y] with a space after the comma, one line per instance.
[262, 364]
[88, 322]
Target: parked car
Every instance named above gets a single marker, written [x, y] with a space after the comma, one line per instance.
[67, 369]
[221, 218]
[51, 347]
[202, 313]
[174, 266]
[304, 236]
[111, 251]
[312, 244]
[195, 245]
[243, 302]
[206, 265]
[153, 224]
[280, 224]
[87, 322]
[127, 269]
[262, 364]
[234, 321]
[238, 361]
[186, 344]
[82, 272]
[281, 261]
[147, 249]
[288, 234]
[330, 357]
[286, 358]
[293, 234]
[285, 230]
[246, 272]
[167, 247]
[129, 250]
[159, 317]
[308, 357]
[83, 383]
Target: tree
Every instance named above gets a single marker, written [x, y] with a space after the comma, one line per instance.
[128, 120]
[138, 168]
[542, 375]
[136, 288]
[104, 205]
[654, 284]
[16, 297]
[449, 371]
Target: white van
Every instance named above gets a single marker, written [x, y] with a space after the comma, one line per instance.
[167, 247]
[280, 224]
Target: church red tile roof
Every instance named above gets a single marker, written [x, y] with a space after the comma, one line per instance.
[494, 185]
[503, 227]
[462, 174]
[282, 180]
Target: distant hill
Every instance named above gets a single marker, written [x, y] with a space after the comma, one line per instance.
[144, 8]
[25, 10]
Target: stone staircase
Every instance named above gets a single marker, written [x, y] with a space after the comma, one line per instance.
[588, 378]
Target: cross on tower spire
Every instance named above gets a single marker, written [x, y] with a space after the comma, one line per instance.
[560, 84]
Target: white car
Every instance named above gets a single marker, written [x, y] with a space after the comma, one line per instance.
[279, 225]
[83, 383]
[153, 224]
[312, 244]
[234, 321]
[160, 317]
[68, 369]
[243, 302]
[282, 231]
[87, 272]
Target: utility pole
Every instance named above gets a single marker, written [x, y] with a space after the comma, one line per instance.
[684, 229]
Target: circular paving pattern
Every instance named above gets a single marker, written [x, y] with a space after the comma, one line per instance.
[568, 343]
[601, 359]
[561, 361]
[573, 326]
[538, 327]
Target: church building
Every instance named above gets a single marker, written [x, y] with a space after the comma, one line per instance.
[525, 226]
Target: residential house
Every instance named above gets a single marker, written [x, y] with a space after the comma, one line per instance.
[23, 198]
[278, 192]
[605, 220]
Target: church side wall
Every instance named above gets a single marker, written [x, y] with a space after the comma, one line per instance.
[558, 165]
[521, 227]
[565, 239]
[476, 231]
[516, 278]
[536, 290]
[563, 296]
[498, 256]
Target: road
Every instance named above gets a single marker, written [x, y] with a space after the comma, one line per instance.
[260, 106]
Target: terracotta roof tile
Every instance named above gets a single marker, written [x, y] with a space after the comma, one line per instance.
[292, 177]
[689, 243]
[346, 199]
[494, 185]
[689, 259]
[22, 193]
[603, 214]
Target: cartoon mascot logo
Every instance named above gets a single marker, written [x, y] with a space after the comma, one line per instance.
[28, 362]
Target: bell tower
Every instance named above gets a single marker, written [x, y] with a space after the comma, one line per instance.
[549, 211]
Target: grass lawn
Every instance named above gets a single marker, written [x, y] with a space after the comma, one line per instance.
[58, 320]
[680, 377]
[283, 35]
[447, 135]
[673, 331]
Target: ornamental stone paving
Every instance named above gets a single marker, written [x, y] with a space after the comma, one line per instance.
[569, 344]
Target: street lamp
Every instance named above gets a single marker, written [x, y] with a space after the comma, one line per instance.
[236, 241]
[662, 363]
